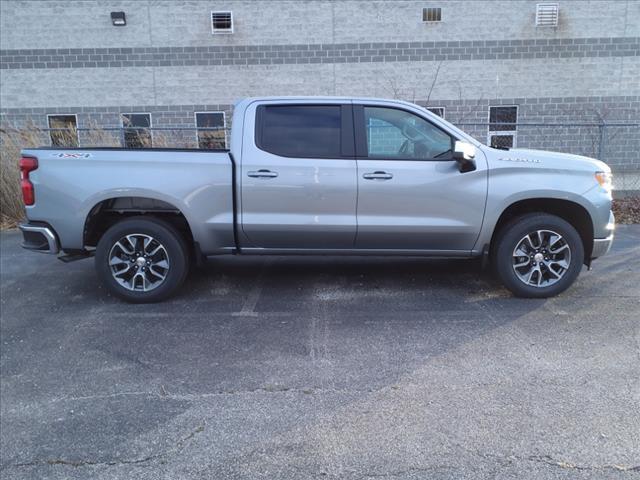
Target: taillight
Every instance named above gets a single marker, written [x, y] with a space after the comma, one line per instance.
[27, 165]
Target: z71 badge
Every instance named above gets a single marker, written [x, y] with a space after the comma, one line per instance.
[71, 155]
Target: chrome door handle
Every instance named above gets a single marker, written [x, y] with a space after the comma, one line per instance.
[378, 176]
[262, 174]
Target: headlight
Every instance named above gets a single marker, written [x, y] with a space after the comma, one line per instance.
[605, 179]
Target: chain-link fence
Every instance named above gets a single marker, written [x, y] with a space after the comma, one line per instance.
[617, 144]
[124, 137]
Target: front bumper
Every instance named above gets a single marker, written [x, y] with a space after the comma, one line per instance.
[39, 238]
[601, 246]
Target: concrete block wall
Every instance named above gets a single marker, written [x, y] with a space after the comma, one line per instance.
[67, 57]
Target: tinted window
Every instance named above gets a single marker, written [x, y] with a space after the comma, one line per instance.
[136, 130]
[393, 133]
[301, 130]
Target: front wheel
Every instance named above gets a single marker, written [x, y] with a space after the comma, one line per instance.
[538, 255]
[142, 259]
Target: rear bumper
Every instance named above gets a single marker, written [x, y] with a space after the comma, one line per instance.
[39, 238]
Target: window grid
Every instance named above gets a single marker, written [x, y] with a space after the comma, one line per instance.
[503, 120]
[432, 14]
[547, 14]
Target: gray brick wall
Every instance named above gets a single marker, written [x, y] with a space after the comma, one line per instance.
[321, 53]
[30, 24]
[66, 57]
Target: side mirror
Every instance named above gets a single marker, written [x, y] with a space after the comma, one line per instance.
[464, 154]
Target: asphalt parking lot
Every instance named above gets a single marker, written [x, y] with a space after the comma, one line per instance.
[320, 368]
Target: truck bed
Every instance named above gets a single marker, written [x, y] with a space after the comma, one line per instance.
[70, 183]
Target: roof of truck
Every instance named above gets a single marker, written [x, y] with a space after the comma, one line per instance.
[244, 103]
[321, 98]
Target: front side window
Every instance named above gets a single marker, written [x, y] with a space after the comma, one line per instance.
[211, 130]
[303, 131]
[398, 134]
[63, 130]
[136, 130]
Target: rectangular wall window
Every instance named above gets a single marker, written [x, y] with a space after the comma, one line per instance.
[437, 110]
[136, 131]
[211, 130]
[221, 22]
[64, 131]
[503, 126]
[432, 14]
[547, 15]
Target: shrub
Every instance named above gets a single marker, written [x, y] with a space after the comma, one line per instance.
[11, 142]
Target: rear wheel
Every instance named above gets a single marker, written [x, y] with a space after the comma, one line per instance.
[142, 259]
[538, 255]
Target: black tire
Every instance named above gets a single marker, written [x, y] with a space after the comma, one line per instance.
[510, 236]
[175, 251]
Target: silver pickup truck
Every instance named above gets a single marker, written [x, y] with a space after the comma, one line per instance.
[319, 175]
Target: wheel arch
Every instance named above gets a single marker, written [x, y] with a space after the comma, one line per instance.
[108, 211]
[572, 212]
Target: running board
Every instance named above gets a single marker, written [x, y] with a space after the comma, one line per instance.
[73, 257]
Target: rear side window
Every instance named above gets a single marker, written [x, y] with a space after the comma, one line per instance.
[306, 131]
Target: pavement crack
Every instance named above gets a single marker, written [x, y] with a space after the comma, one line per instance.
[165, 394]
[549, 460]
[406, 471]
[176, 448]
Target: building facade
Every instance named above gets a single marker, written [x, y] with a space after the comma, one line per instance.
[528, 73]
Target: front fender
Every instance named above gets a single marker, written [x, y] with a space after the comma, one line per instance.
[508, 186]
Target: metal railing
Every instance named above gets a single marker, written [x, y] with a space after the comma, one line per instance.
[616, 143]
[587, 138]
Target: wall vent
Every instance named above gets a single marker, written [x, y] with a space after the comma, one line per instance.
[221, 22]
[547, 14]
[432, 14]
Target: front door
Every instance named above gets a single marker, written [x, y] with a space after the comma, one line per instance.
[411, 194]
[298, 177]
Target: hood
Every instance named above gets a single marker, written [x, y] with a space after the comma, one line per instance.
[552, 159]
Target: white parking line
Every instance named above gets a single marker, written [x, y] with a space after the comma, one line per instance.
[248, 308]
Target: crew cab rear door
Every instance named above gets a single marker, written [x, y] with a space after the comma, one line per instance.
[411, 193]
[298, 176]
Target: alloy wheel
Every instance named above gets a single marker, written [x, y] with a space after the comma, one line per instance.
[139, 262]
[541, 258]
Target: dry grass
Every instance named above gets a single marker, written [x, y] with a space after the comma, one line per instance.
[627, 210]
[12, 140]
